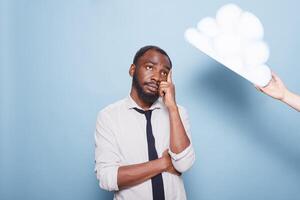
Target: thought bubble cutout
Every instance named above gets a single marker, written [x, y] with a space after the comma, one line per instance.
[234, 39]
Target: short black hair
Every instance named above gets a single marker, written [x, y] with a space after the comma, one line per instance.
[144, 49]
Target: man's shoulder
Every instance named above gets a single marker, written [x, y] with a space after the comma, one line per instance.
[182, 111]
[114, 107]
[181, 108]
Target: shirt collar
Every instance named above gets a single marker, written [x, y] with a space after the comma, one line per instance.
[158, 104]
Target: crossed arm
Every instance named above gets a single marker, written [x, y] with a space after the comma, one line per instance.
[115, 176]
[179, 147]
[134, 174]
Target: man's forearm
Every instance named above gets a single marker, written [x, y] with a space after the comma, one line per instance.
[134, 174]
[178, 137]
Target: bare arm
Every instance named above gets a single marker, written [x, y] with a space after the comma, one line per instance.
[292, 100]
[134, 174]
[178, 137]
[277, 90]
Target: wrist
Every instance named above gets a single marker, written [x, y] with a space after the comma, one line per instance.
[164, 163]
[173, 108]
[286, 96]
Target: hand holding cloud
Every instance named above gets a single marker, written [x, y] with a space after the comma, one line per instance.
[235, 39]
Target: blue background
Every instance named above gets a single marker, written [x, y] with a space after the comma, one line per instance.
[63, 61]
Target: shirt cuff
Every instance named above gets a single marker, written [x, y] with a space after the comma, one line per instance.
[109, 179]
[182, 154]
[183, 160]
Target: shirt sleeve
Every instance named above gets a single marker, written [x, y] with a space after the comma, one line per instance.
[107, 156]
[185, 159]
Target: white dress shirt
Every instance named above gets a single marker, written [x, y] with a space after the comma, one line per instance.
[121, 139]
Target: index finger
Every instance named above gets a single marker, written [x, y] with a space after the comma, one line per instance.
[169, 78]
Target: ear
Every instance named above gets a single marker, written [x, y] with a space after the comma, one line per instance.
[132, 69]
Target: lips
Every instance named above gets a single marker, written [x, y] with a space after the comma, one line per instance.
[152, 87]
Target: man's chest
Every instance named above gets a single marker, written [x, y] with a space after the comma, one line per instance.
[131, 136]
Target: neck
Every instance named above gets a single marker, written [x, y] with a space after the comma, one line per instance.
[134, 95]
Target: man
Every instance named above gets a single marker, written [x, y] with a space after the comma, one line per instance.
[277, 90]
[143, 142]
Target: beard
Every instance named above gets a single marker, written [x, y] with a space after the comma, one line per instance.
[146, 97]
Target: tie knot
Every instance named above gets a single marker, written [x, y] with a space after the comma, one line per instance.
[147, 113]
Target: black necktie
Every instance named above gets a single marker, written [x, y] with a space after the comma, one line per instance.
[157, 181]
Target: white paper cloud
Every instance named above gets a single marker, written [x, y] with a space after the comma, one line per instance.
[235, 39]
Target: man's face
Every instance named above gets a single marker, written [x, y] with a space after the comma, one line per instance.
[153, 67]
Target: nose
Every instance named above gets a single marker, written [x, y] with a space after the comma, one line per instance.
[156, 76]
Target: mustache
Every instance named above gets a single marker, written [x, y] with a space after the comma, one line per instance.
[152, 83]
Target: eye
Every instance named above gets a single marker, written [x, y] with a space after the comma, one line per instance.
[164, 73]
[149, 67]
